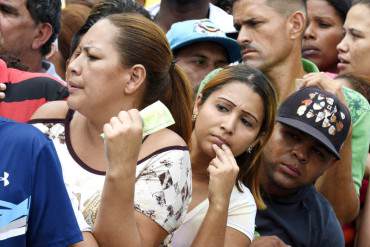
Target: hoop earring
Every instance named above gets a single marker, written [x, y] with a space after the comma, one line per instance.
[250, 149]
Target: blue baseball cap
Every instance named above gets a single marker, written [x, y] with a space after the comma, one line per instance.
[188, 32]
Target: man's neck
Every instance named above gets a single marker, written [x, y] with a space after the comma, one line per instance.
[273, 189]
[285, 74]
[173, 11]
[34, 63]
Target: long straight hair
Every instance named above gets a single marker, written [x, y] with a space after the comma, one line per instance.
[249, 162]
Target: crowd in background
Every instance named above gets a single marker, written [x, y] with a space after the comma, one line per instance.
[271, 140]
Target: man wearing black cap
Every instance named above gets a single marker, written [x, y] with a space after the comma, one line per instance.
[311, 127]
[270, 35]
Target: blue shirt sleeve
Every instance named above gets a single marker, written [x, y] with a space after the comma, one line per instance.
[51, 220]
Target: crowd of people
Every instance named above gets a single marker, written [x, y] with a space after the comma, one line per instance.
[271, 140]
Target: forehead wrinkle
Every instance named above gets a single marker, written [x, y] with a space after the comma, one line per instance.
[239, 106]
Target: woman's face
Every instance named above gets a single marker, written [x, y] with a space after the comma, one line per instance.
[354, 49]
[232, 115]
[323, 33]
[95, 74]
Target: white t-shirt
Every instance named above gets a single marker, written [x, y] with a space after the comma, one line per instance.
[241, 217]
[217, 15]
[162, 188]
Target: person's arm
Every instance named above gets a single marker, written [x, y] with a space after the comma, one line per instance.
[161, 191]
[271, 241]
[223, 171]
[52, 221]
[123, 134]
[337, 184]
[88, 241]
[363, 236]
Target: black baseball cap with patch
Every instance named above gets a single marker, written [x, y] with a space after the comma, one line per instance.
[319, 114]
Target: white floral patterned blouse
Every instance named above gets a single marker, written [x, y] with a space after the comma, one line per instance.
[162, 188]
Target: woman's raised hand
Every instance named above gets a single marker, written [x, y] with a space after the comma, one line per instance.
[123, 137]
[223, 171]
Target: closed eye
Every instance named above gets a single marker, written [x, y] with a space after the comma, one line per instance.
[253, 23]
[8, 10]
[92, 57]
[292, 135]
[324, 24]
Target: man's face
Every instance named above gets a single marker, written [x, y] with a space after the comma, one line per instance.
[263, 33]
[198, 59]
[17, 28]
[292, 159]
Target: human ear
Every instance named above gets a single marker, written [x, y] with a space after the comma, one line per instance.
[42, 35]
[137, 76]
[260, 140]
[197, 104]
[296, 24]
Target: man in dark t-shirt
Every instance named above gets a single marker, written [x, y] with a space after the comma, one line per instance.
[311, 127]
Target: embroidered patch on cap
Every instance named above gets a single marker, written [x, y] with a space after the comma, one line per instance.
[324, 111]
[207, 27]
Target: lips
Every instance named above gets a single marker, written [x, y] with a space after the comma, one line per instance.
[218, 140]
[72, 87]
[308, 51]
[343, 63]
[247, 51]
[343, 60]
[290, 170]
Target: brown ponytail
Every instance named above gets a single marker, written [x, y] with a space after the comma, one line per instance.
[141, 41]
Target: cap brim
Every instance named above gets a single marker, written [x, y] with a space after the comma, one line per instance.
[231, 46]
[311, 131]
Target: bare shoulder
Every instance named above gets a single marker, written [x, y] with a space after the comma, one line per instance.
[161, 139]
[53, 109]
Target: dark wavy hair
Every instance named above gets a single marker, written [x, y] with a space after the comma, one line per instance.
[46, 11]
[341, 7]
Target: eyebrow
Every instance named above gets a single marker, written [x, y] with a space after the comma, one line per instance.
[248, 113]
[219, 60]
[86, 48]
[323, 17]
[251, 20]
[198, 55]
[356, 31]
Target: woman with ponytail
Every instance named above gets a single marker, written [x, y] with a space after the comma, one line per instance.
[127, 191]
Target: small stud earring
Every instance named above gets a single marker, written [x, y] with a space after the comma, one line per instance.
[250, 149]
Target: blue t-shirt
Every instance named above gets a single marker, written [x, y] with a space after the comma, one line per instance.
[303, 219]
[35, 209]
